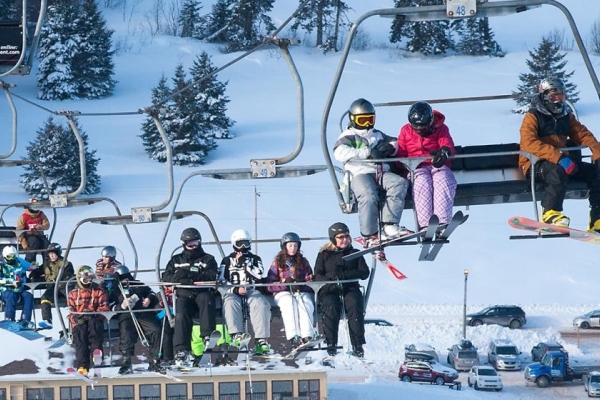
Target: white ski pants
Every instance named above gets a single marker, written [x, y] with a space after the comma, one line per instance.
[297, 312]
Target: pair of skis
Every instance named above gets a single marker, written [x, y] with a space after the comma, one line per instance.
[93, 373]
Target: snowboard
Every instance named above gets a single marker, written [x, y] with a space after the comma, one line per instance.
[551, 230]
[303, 348]
[18, 329]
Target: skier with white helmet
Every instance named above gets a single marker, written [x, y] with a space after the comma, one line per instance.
[241, 269]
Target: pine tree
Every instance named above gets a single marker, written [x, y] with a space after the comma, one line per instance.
[546, 60]
[56, 151]
[58, 46]
[92, 66]
[240, 24]
[152, 141]
[426, 37]
[325, 17]
[210, 101]
[476, 38]
[191, 23]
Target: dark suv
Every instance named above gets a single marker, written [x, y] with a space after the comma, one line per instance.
[510, 316]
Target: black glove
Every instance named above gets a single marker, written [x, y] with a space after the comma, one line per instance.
[440, 157]
[382, 150]
[181, 275]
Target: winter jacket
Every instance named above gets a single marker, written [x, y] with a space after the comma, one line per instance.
[411, 144]
[51, 269]
[246, 270]
[188, 267]
[356, 144]
[14, 275]
[115, 297]
[298, 271]
[103, 269]
[90, 299]
[543, 133]
[330, 266]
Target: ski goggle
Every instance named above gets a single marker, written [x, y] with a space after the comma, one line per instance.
[10, 256]
[242, 244]
[192, 244]
[363, 120]
[556, 96]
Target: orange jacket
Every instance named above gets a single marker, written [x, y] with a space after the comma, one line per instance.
[541, 140]
[89, 299]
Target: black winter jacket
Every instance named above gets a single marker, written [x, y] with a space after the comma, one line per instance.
[115, 297]
[188, 267]
[330, 266]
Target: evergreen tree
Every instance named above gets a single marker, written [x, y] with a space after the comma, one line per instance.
[240, 24]
[92, 65]
[426, 37]
[546, 60]
[58, 46]
[56, 151]
[476, 38]
[191, 23]
[152, 141]
[325, 17]
[210, 101]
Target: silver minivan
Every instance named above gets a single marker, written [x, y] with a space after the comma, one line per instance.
[504, 354]
[463, 356]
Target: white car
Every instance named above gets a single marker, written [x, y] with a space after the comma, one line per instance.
[591, 384]
[484, 377]
[588, 320]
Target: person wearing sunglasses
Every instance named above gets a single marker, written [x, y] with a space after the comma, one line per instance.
[191, 266]
[370, 180]
[433, 183]
[335, 298]
[548, 126]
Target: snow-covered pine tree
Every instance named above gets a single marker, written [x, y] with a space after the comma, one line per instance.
[58, 46]
[92, 65]
[241, 25]
[476, 38]
[325, 17]
[210, 100]
[545, 61]
[191, 23]
[426, 37]
[153, 143]
[56, 151]
[190, 146]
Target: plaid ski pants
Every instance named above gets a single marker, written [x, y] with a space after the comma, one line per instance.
[433, 193]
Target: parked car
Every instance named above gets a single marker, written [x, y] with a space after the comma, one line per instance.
[588, 320]
[506, 315]
[538, 351]
[378, 322]
[421, 371]
[504, 354]
[591, 383]
[463, 356]
[484, 377]
[421, 348]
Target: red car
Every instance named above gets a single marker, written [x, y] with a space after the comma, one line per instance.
[422, 371]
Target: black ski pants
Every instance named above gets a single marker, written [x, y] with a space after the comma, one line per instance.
[167, 340]
[330, 305]
[555, 180]
[35, 242]
[129, 335]
[186, 309]
[88, 336]
[47, 299]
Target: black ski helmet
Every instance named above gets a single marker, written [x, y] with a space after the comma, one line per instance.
[109, 251]
[55, 248]
[190, 234]
[420, 117]
[361, 107]
[122, 272]
[336, 229]
[290, 237]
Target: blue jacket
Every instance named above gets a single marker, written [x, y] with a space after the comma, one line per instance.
[11, 273]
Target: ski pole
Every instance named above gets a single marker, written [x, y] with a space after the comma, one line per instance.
[136, 323]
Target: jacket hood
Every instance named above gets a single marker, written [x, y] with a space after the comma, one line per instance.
[438, 118]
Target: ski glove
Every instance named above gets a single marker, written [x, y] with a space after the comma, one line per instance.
[382, 150]
[440, 157]
[568, 165]
[129, 301]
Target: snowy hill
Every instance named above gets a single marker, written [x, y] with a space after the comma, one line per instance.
[553, 281]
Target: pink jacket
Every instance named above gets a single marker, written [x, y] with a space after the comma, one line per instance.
[411, 144]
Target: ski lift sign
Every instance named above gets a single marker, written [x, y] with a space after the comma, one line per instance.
[461, 8]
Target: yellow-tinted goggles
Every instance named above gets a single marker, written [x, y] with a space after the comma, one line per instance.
[364, 120]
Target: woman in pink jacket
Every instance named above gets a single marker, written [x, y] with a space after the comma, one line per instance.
[433, 183]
